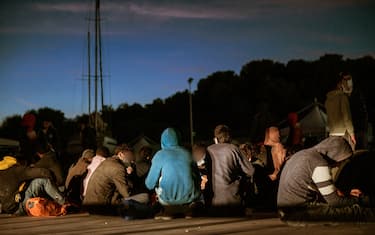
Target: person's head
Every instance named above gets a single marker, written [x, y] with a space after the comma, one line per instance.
[345, 82]
[222, 134]
[42, 147]
[248, 150]
[46, 124]
[292, 119]
[199, 151]
[336, 149]
[29, 121]
[170, 138]
[102, 151]
[125, 153]
[145, 153]
[272, 136]
[87, 155]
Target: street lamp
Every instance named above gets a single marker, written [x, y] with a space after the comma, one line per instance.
[190, 80]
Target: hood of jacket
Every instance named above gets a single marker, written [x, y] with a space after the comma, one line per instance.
[335, 147]
[169, 138]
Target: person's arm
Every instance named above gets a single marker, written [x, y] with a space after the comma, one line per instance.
[34, 172]
[245, 165]
[154, 173]
[323, 180]
[119, 180]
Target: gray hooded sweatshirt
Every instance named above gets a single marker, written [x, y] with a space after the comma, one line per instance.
[306, 176]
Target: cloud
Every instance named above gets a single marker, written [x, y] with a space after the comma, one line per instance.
[71, 7]
[126, 17]
[26, 103]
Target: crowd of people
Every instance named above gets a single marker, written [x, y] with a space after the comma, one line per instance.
[219, 179]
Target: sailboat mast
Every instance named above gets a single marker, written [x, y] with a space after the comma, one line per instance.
[97, 19]
[89, 73]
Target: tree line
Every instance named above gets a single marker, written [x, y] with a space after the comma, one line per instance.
[262, 94]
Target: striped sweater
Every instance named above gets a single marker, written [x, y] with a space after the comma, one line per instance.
[306, 176]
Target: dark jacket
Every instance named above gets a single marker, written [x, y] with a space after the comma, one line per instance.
[107, 184]
[10, 181]
[228, 169]
[306, 176]
[50, 162]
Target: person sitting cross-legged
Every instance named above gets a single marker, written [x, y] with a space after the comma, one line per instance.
[174, 176]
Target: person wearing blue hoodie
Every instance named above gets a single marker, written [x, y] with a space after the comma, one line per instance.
[173, 173]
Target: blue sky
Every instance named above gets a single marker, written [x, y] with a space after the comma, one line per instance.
[152, 47]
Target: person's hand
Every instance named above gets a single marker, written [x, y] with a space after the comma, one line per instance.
[204, 182]
[341, 194]
[129, 170]
[355, 192]
[352, 138]
[273, 177]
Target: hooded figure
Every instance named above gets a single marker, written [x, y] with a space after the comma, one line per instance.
[173, 173]
[306, 176]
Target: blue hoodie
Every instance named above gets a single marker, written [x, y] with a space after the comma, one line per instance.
[174, 172]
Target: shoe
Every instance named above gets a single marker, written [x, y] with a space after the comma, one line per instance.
[162, 216]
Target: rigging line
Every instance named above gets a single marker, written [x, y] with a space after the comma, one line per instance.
[106, 41]
[89, 65]
[96, 62]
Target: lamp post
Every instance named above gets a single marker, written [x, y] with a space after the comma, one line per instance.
[190, 80]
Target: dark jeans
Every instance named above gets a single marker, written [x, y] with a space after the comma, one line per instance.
[132, 209]
[316, 212]
[41, 187]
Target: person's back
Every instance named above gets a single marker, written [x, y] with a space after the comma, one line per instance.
[306, 175]
[338, 113]
[173, 172]
[107, 181]
[101, 154]
[228, 167]
[49, 161]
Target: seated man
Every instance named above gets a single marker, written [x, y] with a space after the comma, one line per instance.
[229, 169]
[101, 154]
[174, 176]
[306, 190]
[19, 183]
[109, 186]
[48, 160]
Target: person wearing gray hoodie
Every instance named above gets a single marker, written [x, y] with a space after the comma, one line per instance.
[307, 192]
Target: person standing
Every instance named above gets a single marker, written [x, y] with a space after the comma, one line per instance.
[337, 104]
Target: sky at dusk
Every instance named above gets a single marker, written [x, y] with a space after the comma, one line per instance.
[151, 47]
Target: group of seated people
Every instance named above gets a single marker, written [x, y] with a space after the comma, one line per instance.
[222, 179]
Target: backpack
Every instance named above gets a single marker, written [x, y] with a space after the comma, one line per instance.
[39, 206]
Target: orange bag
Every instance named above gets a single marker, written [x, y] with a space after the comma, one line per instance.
[39, 206]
